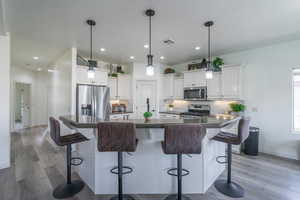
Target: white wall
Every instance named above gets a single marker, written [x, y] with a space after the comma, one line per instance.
[4, 101]
[60, 86]
[268, 89]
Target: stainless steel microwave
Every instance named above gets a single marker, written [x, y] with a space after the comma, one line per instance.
[195, 93]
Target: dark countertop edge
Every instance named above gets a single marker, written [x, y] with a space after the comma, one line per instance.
[121, 113]
[72, 124]
[170, 112]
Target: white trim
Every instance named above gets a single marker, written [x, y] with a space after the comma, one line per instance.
[293, 131]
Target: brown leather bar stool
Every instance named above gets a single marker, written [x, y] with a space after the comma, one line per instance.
[227, 187]
[182, 139]
[118, 137]
[71, 187]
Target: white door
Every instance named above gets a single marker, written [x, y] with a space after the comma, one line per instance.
[178, 88]
[231, 82]
[22, 105]
[167, 87]
[214, 86]
[124, 87]
[145, 90]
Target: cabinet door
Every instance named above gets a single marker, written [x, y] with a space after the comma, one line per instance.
[124, 87]
[167, 85]
[178, 88]
[231, 83]
[81, 76]
[214, 86]
[194, 79]
[188, 78]
[112, 84]
[100, 78]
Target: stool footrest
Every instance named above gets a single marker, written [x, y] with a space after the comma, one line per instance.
[76, 161]
[115, 170]
[173, 173]
[221, 157]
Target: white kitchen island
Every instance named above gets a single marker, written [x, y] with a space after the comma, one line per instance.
[149, 163]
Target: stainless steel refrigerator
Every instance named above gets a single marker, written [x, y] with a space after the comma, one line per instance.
[93, 100]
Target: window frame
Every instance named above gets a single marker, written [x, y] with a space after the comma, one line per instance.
[294, 131]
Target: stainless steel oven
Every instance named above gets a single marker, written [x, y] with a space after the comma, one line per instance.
[195, 93]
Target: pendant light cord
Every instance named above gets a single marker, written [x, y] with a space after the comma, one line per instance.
[150, 35]
[91, 50]
[209, 52]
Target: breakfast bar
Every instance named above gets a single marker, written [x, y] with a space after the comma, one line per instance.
[149, 163]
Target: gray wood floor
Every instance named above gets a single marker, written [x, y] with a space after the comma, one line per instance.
[38, 166]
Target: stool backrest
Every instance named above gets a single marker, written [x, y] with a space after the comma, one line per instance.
[55, 130]
[183, 138]
[243, 129]
[116, 137]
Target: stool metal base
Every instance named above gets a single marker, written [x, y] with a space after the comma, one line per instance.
[229, 189]
[125, 197]
[68, 190]
[175, 197]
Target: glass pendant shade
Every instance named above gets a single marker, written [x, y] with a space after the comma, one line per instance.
[149, 70]
[209, 74]
[91, 74]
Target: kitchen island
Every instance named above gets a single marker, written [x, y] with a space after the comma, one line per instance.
[149, 163]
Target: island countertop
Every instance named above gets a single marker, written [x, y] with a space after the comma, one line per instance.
[91, 122]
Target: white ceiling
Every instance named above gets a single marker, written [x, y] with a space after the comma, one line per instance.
[47, 28]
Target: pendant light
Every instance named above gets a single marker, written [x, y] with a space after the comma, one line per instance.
[209, 67]
[92, 63]
[149, 69]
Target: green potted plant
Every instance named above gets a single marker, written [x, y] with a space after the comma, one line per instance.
[147, 116]
[171, 106]
[217, 64]
[237, 108]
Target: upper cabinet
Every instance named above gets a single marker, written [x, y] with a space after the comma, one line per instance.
[167, 86]
[214, 86]
[178, 88]
[82, 77]
[121, 87]
[194, 79]
[232, 82]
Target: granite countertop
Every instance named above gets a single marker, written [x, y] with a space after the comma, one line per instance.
[121, 113]
[171, 112]
[91, 122]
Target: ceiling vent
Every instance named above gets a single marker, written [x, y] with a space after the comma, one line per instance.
[169, 42]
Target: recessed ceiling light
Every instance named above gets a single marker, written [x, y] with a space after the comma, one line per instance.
[102, 49]
[131, 57]
[35, 58]
[162, 57]
[197, 48]
[146, 46]
[39, 69]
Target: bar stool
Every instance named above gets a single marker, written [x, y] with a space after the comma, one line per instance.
[118, 137]
[70, 188]
[228, 187]
[182, 139]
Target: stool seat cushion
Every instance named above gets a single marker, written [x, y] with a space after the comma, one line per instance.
[72, 138]
[228, 138]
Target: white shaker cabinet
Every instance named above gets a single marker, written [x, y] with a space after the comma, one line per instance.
[231, 82]
[178, 88]
[214, 86]
[112, 84]
[194, 79]
[167, 87]
[120, 87]
[124, 87]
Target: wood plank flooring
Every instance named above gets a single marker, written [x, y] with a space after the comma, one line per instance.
[38, 166]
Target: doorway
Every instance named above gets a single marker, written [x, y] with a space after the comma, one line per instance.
[22, 109]
[145, 90]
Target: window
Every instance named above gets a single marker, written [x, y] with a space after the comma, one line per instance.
[296, 100]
